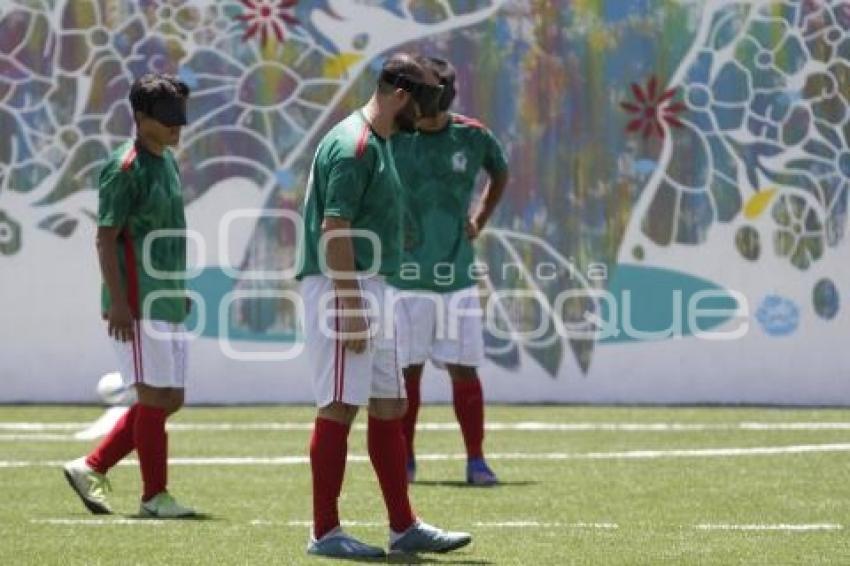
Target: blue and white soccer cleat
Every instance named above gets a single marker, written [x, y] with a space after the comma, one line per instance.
[479, 473]
[339, 544]
[422, 537]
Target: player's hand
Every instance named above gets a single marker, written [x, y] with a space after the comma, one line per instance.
[354, 327]
[472, 229]
[120, 322]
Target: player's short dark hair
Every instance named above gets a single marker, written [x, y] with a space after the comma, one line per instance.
[401, 65]
[152, 87]
[445, 73]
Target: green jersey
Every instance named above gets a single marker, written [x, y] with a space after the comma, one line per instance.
[354, 178]
[141, 193]
[439, 171]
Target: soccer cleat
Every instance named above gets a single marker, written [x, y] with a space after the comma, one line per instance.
[479, 473]
[422, 537]
[411, 470]
[91, 486]
[339, 544]
[163, 506]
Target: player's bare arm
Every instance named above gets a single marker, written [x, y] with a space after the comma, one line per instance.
[340, 257]
[489, 200]
[119, 316]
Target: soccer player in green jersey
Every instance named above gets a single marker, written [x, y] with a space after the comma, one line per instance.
[440, 315]
[352, 241]
[144, 301]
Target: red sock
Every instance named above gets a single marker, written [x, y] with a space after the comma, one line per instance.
[387, 452]
[328, 450]
[117, 444]
[469, 409]
[411, 384]
[152, 448]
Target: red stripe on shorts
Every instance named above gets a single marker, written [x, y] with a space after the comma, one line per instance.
[336, 348]
[138, 335]
[342, 373]
[132, 272]
[135, 359]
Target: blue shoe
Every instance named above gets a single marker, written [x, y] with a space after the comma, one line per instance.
[411, 470]
[338, 544]
[479, 473]
[422, 537]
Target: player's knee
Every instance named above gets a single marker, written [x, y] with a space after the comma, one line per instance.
[175, 402]
[462, 372]
[412, 372]
[339, 412]
[170, 400]
[388, 409]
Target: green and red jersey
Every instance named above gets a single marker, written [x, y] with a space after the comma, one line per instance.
[439, 171]
[141, 193]
[353, 177]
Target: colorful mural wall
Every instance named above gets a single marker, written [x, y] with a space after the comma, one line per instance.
[673, 231]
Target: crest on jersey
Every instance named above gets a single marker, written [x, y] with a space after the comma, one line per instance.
[459, 162]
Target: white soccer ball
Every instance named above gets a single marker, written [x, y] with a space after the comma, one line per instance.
[113, 390]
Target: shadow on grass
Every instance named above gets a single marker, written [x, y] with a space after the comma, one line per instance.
[430, 559]
[458, 483]
[410, 559]
[197, 517]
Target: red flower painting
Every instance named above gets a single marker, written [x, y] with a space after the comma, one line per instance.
[652, 106]
[266, 17]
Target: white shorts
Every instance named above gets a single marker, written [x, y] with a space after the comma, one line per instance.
[341, 375]
[156, 356]
[445, 328]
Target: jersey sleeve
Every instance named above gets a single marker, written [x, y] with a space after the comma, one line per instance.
[347, 180]
[495, 161]
[115, 196]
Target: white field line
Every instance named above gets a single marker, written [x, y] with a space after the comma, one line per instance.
[545, 525]
[478, 525]
[778, 527]
[307, 524]
[34, 427]
[98, 522]
[515, 456]
[37, 437]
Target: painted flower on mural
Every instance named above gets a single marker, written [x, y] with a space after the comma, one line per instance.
[264, 18]
[27, 50]
[799, 235]
[256, 105]
[120, 47]
[825, 172]
[770, 53]
[825, 28]
[66, 130]
[182, 19]
[759, 115]
[93, 30]
[652, 109]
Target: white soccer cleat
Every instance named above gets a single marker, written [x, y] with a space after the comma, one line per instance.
[164, 506]
[339, 544]
[422, 537]
[91, 486]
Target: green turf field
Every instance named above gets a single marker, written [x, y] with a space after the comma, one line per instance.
[580, 486]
